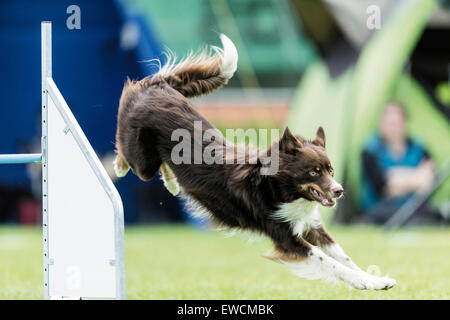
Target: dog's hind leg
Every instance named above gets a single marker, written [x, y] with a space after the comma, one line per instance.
[142, 154]
[169, 178]
[121, 166]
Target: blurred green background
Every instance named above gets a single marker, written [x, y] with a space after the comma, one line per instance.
[273, 48]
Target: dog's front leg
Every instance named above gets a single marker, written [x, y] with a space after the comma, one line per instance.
[310, 262]
[321, 238]
[318, 265]
[335, 251]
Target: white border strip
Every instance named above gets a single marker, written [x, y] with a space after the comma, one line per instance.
[46, 61]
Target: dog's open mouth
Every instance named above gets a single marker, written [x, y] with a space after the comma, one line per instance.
[319, 197]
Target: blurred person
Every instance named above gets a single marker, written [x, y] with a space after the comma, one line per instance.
[394, 167]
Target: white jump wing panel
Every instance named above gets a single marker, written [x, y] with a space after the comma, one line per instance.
[85, 215]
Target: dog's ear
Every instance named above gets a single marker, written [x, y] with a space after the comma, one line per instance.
[289, 143]
[319, 140]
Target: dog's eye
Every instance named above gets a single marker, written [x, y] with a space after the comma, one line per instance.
[331, 171]
[313, 173]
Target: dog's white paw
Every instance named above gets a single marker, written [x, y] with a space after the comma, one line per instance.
[173, 186]
[365, 281]
[120, 171]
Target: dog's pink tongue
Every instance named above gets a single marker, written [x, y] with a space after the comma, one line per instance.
[327, 202]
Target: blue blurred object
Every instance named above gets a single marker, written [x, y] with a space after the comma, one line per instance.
[90, 66]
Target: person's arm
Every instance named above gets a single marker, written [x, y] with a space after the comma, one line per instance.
[401, 181]
[404, 180]
[374, 172]
[397, 181]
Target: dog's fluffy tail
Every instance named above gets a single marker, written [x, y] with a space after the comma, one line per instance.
[200, 73]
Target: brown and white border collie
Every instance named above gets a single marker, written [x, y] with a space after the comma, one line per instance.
[282, 206]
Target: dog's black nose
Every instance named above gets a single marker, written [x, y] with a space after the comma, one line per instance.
[338, 191]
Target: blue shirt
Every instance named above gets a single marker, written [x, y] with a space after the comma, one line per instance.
[377, 160]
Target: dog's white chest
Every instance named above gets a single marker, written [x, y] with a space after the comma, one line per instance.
[301, 214]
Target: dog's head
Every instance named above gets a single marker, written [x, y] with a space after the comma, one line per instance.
[305, 170]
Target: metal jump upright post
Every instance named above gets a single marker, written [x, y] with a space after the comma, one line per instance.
[82, 212]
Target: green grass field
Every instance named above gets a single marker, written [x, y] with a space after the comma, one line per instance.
[178, 262]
